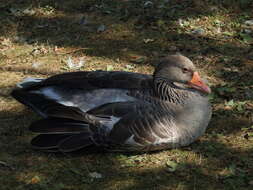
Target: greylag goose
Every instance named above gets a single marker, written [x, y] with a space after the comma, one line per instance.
[119, 111]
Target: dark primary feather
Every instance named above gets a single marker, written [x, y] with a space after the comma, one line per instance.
[58, 126]
[118, 111]
[98, 79]
[76, 142]
[48, 141]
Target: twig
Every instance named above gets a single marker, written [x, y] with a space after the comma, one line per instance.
[27, 70]
[3, 163]
[72, 51]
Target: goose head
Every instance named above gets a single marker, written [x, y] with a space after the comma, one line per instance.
[178, 71]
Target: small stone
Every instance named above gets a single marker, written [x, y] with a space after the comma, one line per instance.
[95, 175]
[101, 28]
[147, 40]
[247, 31]
[198, 31]
[148, 3]
[249, 22]
[251, 182]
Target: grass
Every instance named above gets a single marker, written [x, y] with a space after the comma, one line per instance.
[38, 37]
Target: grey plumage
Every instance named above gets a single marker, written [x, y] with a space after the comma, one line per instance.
[119, 111]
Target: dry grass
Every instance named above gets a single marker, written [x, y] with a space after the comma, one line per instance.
[38, 37]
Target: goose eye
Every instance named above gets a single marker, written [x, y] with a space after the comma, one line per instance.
[185, 70]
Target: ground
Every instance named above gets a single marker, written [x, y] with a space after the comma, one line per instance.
[39, 38]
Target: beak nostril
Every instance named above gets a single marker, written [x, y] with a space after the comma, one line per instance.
[198, 84]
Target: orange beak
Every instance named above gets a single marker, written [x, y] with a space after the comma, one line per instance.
[198, 84]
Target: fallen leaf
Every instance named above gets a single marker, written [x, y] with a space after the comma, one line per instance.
[230, 103]
[72, 65]
[109, 67]
[36, 65]
[148, 40]
[35, 179]
[138, 59]
[228, 33]
[171, 166]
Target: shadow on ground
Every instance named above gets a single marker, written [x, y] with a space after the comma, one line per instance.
[222, 159]
[210, 160]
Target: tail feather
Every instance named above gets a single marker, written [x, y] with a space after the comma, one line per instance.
[76, 142]
[29, 82]
[62, 142]
[46, 107]
[64, 128]
[48, 141]
[59, 126]
[34, 101]
[61, 134]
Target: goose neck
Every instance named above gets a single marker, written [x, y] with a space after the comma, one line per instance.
[167, 91]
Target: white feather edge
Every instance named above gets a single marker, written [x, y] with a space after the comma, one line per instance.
[28, 80]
